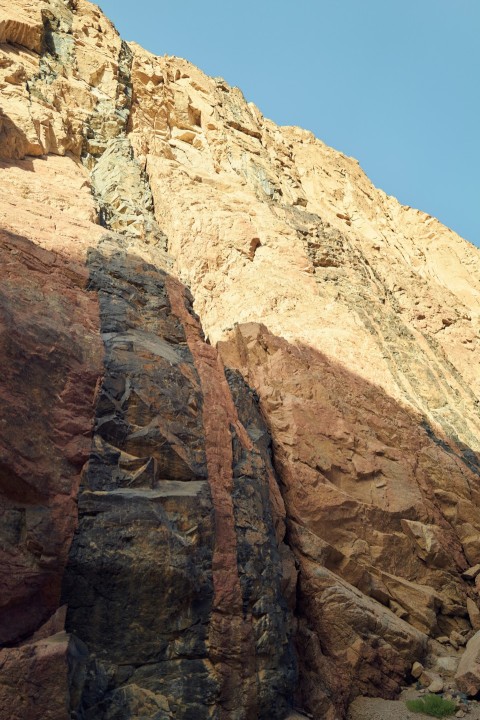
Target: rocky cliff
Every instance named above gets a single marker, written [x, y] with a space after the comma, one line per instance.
[279, 513]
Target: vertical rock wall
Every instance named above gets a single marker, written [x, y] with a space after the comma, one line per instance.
[174, 612]
[350, 457]
[173, 595]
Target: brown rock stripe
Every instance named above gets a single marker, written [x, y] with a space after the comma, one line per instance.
[231, 640]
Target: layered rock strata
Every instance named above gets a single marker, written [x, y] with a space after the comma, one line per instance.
[322, 491]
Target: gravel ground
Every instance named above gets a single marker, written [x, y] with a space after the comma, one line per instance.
[378, 709]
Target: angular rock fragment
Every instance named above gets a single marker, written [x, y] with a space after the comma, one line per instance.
[467, 676]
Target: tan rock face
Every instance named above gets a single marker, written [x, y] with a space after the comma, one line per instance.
[44, 189]
[366, 360]
[355, 321]
[468, 673]
[249, 222]
[62, 70]
[364, 274]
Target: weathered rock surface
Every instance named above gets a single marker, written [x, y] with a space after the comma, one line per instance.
[348, 493]
[468, 674]
[365, 361]
[322, 491]
[179, 506]
[205, 627]
[34, 680]
[52, 354]
[473, 614]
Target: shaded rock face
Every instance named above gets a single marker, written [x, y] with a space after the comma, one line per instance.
[52, 359]
[145, 529]
[35, 679]
[147, 587]
[193, 530]
[52, 354]
[468, 673]
[156, 627]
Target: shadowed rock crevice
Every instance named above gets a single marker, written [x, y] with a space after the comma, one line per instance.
[266, 564]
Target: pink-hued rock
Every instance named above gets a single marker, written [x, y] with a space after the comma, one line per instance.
[34, 680]
[51, 364]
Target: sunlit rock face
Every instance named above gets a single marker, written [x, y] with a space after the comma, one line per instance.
[274, 511]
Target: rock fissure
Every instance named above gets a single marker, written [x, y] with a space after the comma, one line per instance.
[231, 661]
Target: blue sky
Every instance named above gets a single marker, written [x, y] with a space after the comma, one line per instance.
[394, 83]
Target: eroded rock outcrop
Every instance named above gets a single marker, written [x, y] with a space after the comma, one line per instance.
[282, 514]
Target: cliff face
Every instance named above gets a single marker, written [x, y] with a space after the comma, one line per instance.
[277, 515]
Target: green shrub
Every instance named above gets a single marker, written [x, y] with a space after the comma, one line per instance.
[432, 705]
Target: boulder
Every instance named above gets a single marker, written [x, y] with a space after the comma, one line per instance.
[34, 680]
[417, 669]
[436, 686]
[473, 614]
[467, 676]
[471, 573]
